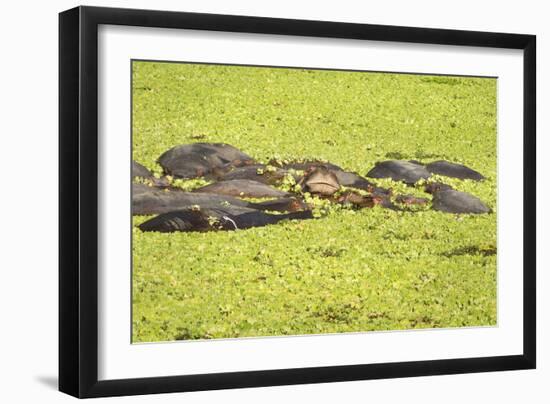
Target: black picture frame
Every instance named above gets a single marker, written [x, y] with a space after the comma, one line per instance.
[78, 201]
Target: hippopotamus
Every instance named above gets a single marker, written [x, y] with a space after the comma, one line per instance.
[148, 200]
[345, 178]
[454, 170]
[408, 172]
[321, 181]
[242, 188]
[140, 171]
[447, 199]
[199, 159]
[212, 219]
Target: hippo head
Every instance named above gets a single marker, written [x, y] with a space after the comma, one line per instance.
[320, 180]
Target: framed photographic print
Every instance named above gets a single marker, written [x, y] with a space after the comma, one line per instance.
[250, 201]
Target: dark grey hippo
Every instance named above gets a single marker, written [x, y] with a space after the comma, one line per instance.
[216, 219]
[447, 199]
[148, 200]
[454, 170]
[140, 171]
[321, 181]
[408, 172]
[199, 159]
[242, 188]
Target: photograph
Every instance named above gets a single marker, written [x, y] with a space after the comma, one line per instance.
[284, 201]
[251, 201]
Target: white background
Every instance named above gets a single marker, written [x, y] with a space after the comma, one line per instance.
[28, 290]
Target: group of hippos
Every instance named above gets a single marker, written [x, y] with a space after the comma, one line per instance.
[220, 205]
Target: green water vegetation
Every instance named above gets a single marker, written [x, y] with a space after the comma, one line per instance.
[349, 270]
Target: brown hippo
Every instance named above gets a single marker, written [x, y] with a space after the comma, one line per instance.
[321, 181]
[345, 178]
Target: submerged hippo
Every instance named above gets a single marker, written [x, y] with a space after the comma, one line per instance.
[202, 220]
[199, 159]
[140, 171]
[447, 199]
[242, 188]
[454, 170]
[408, 172]
[148, 200]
